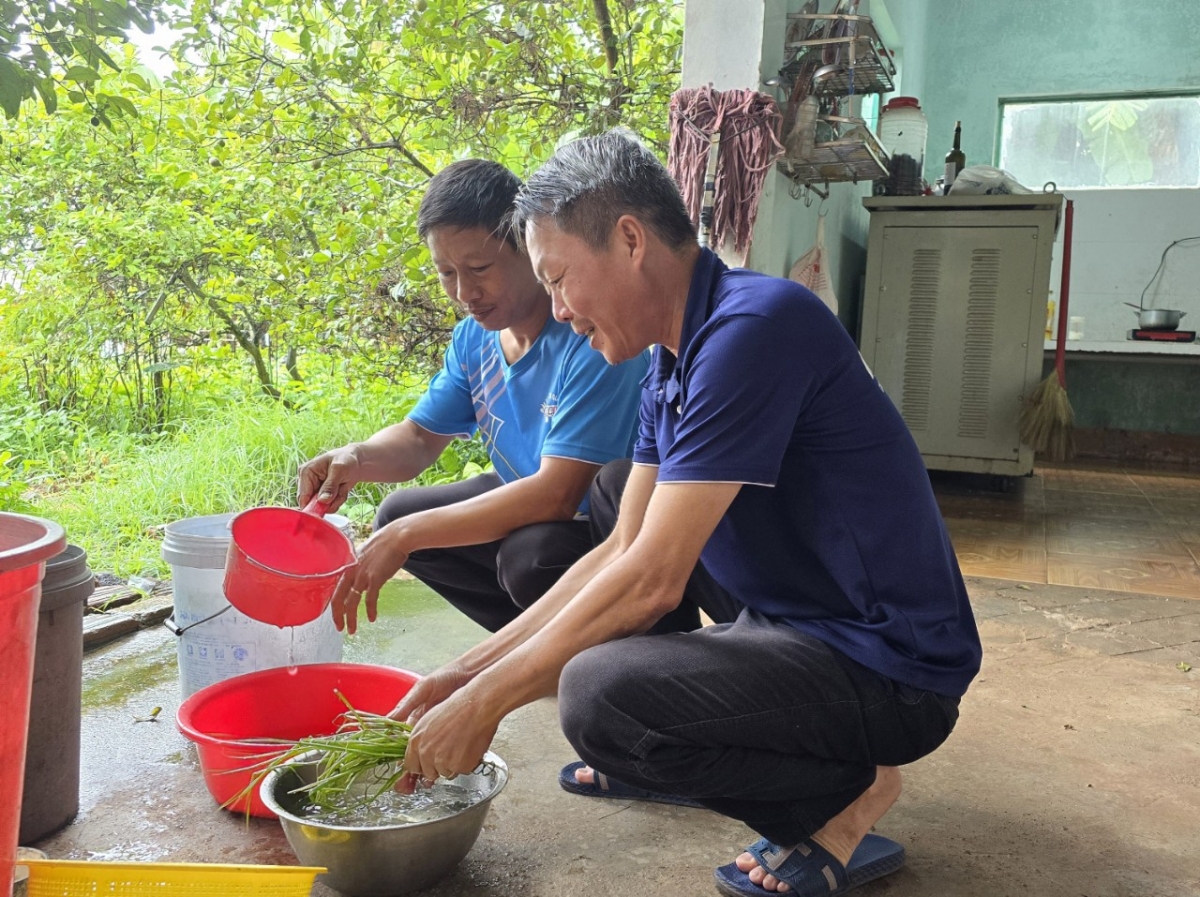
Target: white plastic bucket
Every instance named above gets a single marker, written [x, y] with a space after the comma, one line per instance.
[216, 641]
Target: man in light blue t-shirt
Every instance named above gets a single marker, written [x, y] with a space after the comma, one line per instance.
[549, 409]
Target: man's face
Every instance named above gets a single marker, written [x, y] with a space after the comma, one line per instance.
[585, 288]
[492, 282]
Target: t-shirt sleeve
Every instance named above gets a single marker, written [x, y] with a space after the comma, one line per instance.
[596, 418]
[446, 407]
[745, 387]
[645, 450]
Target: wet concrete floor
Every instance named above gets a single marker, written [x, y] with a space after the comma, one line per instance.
[1074, 770]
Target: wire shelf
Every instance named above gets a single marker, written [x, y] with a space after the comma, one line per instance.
[862, 54]
[860, 158]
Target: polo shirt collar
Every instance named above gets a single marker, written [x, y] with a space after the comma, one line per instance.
[705, 275]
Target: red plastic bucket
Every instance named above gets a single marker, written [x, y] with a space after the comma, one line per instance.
[228, 719]
[26, 543]
[284, 564]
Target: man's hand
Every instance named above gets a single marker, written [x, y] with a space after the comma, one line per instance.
[430, 691]
[379, 559]
[329, 477]
[452, 737]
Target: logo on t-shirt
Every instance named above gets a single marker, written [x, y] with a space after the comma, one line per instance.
[550, 406]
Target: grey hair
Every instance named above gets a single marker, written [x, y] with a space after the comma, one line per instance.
[588, 184]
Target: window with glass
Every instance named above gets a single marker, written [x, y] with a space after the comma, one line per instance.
[1139, 142]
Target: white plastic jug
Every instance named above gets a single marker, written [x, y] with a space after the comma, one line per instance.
[216, 641]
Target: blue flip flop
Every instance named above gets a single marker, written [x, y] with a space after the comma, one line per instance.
[812, 871]
[614, 790]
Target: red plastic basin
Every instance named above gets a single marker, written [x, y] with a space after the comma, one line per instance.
[225, 719]
[26, 543]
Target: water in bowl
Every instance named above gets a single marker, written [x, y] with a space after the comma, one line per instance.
[444, 798]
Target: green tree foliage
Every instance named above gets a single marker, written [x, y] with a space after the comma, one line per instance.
[257, 206]
[50, 45]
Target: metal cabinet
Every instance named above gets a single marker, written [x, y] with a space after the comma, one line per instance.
[953, 320]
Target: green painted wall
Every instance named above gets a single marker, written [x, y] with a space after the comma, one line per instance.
[1134, 393]
[977, 53]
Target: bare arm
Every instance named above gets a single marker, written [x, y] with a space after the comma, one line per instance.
[398, 453]
[445, 681]
[395, 454]
[553, 493]
[638, 584]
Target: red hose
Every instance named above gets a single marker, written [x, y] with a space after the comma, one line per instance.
[1060, 350]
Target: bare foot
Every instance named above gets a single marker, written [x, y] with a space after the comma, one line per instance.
[841, 834]
[585, 775]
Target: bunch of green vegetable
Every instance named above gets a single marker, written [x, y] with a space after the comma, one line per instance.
[367, 749]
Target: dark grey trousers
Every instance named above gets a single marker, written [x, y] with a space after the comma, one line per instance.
[493, 582]
[751, 717]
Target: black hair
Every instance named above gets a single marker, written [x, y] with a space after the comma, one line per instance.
[470, 193]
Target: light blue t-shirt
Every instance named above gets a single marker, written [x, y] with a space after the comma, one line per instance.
[560, 400]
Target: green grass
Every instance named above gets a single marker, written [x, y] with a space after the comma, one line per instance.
[242, 457]
[114, 502]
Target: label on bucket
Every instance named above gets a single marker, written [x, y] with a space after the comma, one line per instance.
[204, 660]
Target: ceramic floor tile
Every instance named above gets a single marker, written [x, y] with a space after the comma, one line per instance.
[1062, 523]
[965, 509]
[1031, 549]
[1182, 509]
[1168, 485]
[1180, 580]
[1108, 482]
[1001, 530]
[1130, 545]
[1101, 510]
[1100, 526]
[972, 565]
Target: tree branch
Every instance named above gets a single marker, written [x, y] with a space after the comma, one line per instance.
[606, 33]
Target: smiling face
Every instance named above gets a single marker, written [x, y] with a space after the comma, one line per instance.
[492, 281]
[592, 290]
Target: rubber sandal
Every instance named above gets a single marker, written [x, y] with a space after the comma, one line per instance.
[614, 790]
[812, 871]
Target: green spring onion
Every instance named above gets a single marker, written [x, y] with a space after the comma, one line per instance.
[366, 748]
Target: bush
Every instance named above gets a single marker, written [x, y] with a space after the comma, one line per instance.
[246, 455]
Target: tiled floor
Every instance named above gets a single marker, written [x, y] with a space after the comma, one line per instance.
[1129, 530]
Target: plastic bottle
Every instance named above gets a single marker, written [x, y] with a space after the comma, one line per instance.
[903, 130]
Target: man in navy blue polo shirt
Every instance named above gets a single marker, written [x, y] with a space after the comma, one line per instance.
[774, 484]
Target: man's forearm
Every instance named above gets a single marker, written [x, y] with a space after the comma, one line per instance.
[397, 453]
[624, 597]
[499, 645]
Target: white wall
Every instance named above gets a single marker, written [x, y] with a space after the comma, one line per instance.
[1119, 238]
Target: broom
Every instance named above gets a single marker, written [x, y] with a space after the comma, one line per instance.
[1047, 419]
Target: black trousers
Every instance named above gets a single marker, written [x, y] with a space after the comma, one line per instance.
[493, 582]
[752, 717]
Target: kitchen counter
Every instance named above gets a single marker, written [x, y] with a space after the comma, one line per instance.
[1126, 347]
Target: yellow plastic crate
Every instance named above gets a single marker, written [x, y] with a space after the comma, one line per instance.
[83, 878]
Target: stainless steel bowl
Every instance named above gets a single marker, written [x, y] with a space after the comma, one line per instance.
[382, 860]
[1159, 318]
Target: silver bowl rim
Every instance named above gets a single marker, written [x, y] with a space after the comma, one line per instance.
[266, 791]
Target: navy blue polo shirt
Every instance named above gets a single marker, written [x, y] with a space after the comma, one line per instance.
[835, 529]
